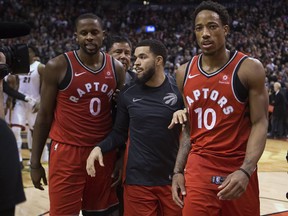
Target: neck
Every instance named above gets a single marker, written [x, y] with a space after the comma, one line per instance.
[157, 79]
[92, 61]
[211, 63]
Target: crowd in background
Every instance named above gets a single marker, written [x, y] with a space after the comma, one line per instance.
[258, 28]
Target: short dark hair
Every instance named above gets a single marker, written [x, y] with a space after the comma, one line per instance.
[212, 6]
[88, 16]
[117, 39]
[156, 47]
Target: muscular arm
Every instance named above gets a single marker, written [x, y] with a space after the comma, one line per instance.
[54, 72]
[252, 75]
[184, 149]
[41, 69]
[12, 92]
[178, 182]
[185, 144]
[120, 74]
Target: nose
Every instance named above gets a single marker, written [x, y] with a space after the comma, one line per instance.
[122, 55]
[89, 35]
[136, 63]
[206, 32]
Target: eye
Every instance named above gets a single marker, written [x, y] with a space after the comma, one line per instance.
[83, 33]
[213, 26]
[198, 28]
[95, 32]
[128, 53]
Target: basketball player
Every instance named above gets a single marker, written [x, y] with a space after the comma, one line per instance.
[227, 106]
[10, 86]
[78, 88]
[145, 108]
[29, 84]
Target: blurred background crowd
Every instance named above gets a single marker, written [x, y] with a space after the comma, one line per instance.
[259, 28]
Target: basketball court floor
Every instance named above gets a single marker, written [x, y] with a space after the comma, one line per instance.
[273, 180]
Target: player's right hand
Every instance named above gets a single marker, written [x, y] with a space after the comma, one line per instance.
[178, 189]
[30, 100]
[95, 154]
[36, 175]
[180, 116]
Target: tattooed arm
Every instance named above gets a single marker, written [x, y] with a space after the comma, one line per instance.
[178, 183]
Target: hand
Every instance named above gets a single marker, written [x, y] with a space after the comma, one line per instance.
[117, 172]
[180, 116]
[95, 154]
[36, 107]
[30, 100]
[36, 175]
[234, 186]
[115, 95]
[178, 189]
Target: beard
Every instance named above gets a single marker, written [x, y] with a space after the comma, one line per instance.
[146, 76]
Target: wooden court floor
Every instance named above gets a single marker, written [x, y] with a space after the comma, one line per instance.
[273, 181]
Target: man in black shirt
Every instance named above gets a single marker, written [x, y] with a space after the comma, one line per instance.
[145, 108]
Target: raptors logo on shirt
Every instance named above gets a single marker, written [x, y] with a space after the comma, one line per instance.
[83, 111]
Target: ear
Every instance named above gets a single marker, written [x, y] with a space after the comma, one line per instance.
[75, 36]
[159, 60]
[226, 30]
[104, 34]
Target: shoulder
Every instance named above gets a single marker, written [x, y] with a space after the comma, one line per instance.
[58, 61]
[56, 68]
[40, 68]
[120, 73]
[180, 75]
[251, 72]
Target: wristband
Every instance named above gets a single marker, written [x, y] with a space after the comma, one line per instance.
[245, 172]
[35, 167]
[178, 172]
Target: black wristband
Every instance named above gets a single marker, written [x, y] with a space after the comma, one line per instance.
[245, 172]
[178, 172]
[31, 167]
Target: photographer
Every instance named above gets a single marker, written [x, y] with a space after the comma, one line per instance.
[12, 191]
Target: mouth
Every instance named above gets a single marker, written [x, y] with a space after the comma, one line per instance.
[90, 46]
[137, 70]
[206, 44]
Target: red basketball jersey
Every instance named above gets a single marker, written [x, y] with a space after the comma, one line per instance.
[220, 123]
[83, 112]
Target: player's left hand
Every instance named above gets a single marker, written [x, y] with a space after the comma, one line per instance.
[115, 95]
[178, 189]
[117, 172]
[36, 107]
[180, 116]
[234, 186]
